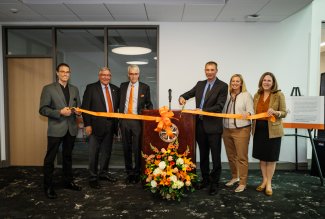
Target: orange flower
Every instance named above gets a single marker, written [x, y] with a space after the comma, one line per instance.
[157, 162]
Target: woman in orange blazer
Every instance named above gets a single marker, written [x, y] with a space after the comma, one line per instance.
[267, 134]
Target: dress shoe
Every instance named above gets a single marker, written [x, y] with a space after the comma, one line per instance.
[136, 179]
[232, 182]
[268, 192]
[240, 188]
[129, 179]
[260, 188]
[50, 193]
[94, 184]
[108, 177]
[203, 184]
[72, 186]
[213, 190]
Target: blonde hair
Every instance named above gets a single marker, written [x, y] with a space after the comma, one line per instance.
[243, 85]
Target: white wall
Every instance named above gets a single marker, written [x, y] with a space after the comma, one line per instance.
[247, 48]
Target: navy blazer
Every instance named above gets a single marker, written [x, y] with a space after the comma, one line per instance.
[214, 102]
[94, 100]
[144, 100]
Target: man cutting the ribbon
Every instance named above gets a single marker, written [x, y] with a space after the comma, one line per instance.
[210, 96]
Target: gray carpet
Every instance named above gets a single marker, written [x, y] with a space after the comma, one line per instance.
[296, 195]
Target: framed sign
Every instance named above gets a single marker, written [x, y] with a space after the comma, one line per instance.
[305, 112]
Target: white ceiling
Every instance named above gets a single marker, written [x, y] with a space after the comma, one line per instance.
[148, 10]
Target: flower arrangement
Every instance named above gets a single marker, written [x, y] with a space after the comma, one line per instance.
[169, 173]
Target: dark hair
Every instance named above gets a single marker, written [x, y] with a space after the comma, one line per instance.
[62, 64]
[274, 87]
[212, 63]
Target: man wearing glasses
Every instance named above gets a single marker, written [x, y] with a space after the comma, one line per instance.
[101, 96]
[135, 96]
[55, 103]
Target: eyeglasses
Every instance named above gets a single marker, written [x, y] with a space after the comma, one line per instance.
[133, 74]
[65, 72]
[105, 75]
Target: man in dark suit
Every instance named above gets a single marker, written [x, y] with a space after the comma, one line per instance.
[55, 103]
[101, 96]
[210, 96]
[135, 96]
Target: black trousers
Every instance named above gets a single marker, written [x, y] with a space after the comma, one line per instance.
[100, 149]
[53, 144]
[209, 142]
[131, 137]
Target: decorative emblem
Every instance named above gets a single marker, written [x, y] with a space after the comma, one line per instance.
[165, 137]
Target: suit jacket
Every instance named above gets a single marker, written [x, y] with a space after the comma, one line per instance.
[94, 100]
[214, 102]
[51, 102]
[144, 100]
[277, 102]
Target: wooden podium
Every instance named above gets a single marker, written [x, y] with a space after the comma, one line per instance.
[186, 136]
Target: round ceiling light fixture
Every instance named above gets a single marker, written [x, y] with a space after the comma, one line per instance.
[131, 50]
[137, 62]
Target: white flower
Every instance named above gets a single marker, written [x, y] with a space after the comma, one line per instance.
[180, 161]
[173, 178]
[153, 183]
[162, 165]
[180, 184]
[157, 171]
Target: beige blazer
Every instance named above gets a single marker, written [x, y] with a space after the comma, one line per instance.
[277, 102]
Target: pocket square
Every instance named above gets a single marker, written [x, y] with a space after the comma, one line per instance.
[142, 95]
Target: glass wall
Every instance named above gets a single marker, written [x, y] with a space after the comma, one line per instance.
[86, 49]
[146, 38]
[29, 42]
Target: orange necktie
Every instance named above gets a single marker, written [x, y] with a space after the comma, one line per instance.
[130, 105]
[109, 101]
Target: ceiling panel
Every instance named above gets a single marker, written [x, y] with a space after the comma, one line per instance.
[199, 12]
[237, 10]
[148, 10]
[53, 9]
[283, 8]
[89, 9]
[162, 12]
[128, 12]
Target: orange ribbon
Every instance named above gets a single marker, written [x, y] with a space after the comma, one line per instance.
[164, 121]
[230, 116]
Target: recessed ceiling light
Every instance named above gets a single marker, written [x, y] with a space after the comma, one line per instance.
[322, 44]
[137, 62]
[131, 50]
[14, 10]
[155, 58]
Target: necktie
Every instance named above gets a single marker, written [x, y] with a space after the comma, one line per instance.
[109, 100]
[204, 96]
[130, 105]
[207, 91]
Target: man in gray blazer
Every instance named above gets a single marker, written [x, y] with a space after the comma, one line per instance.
[135, 96]
[56, 102]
